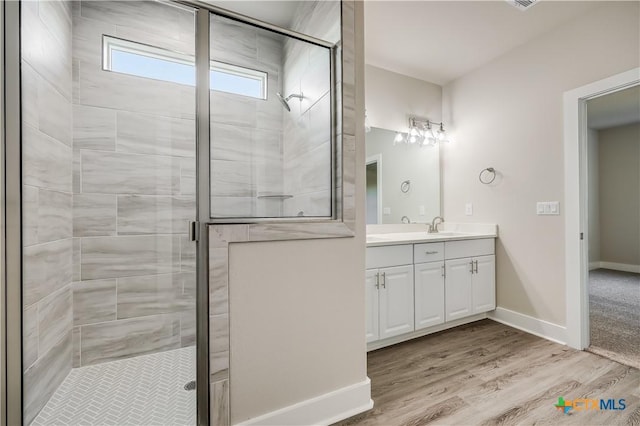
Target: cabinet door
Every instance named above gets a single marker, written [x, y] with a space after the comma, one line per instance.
[484, 284]
[458, 289]
[429, 294]
[396, 300]
[372, 305]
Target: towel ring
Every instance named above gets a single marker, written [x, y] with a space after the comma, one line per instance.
[405, 186]
[487, 180]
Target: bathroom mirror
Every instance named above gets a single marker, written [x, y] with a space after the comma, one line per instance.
[403, 181]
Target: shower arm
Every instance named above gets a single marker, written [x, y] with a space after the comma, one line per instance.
[293, 95]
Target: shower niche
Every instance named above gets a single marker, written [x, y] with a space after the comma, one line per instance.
[272, 151]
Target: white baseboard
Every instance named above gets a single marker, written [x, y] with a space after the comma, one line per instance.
[594, 265]
[546, 330]
[624, 267]
[378, 344]
[321, 410]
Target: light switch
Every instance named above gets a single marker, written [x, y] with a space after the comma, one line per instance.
[386, 210]
[421, 211]
[468, 209]
[548, 208]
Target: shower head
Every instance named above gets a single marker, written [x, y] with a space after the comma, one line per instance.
[285, 101]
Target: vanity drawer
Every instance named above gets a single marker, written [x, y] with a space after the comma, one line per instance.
[469, 248]
[381, 257]
[428, 252]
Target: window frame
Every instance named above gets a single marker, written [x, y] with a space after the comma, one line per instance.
[110, 43]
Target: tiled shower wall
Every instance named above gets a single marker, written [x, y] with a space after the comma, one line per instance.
[133, 189]
[246, 133]
[47, 199]
[307, 135]
[307, 129]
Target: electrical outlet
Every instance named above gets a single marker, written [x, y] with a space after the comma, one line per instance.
[386, 210]
[468, 209]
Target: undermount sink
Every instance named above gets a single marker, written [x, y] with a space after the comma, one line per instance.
[400, 236]
[376, 238]
[445, 234]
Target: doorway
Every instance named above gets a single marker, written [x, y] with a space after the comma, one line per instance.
[374, 189]
[577, 233]
[613, 192]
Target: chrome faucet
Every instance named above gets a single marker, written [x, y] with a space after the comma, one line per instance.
[405, 219]
[433, 228]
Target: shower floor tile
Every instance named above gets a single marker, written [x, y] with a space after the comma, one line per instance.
[144, 390]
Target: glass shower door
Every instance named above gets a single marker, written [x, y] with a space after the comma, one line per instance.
[108, 160]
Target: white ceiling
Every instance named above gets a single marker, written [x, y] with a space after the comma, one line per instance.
[277, 12]
[439, 41]
[616, 109]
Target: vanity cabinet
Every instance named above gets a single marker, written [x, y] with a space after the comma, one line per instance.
[470, 278]
[411, 288]
[389, 291]
[429, 294]
[429, 275]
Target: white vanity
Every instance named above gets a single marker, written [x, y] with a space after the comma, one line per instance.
[419, 283]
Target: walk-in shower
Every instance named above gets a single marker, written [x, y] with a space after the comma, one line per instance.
[119, 150]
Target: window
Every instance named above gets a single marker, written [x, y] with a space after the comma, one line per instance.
[142, 60]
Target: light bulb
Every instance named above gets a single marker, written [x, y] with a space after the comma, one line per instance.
[413, 139]
[398, 139]
[428, 133]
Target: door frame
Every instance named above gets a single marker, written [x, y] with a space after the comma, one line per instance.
[12, 218]
[377, 160]
[576, 200]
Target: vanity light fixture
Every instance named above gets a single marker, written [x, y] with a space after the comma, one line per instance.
[422, 132]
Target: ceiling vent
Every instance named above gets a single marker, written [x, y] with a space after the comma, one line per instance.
[522, 4]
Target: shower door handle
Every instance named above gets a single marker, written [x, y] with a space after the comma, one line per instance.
[194, 231]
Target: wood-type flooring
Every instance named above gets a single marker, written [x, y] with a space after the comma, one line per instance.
[486, 373]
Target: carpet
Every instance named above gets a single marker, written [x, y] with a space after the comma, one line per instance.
[614, 313]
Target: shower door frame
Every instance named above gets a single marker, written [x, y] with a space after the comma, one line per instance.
[341, 224]
[214, 398]
[12, 218]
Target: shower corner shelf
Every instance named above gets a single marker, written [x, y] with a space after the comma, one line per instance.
[274, 196]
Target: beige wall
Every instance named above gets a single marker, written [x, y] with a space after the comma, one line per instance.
[392, 98]
[509, 114]
[619, 177]
[297, 307]
[594, 195]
